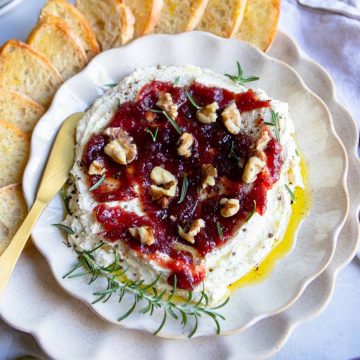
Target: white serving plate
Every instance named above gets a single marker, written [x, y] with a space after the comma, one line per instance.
[316, 137]
[34, 303]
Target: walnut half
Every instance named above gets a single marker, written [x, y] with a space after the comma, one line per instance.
[186, 141]
[252, 168]
[143, 233]
[121, 147]
[164, 185]
[207, 114]
[209, 174]
[232, 119]
[195, 228]
[97, 168]
[230, 207]
[166, 103]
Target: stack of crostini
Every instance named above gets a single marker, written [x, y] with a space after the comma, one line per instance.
[66, 37]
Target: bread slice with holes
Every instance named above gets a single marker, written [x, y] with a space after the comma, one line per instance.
[25, 70]
[259, 23]
[53, 38]
[179, 16]
[77, 22]
[222, 17]
[13, 211]
[19, 110]
[14, 150]
[111, 20]
[147, 14]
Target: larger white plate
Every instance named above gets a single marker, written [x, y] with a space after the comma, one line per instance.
[316, 137]
[35, 304]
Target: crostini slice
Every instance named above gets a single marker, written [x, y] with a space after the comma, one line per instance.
[222, 17]
[14, 150]
[13, 211]
[25, 70]
[77, 22]
[259, 23]
[180, 16]
[53, 38]
[19, 109]
[111, 20]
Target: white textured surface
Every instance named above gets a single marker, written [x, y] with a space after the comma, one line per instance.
[334, 334]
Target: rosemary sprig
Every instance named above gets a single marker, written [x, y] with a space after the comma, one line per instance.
[292, 195]
[141, 293]
[168, 117]
[239, 78]
[275, 123]
[219, 230]
[250, 215]
[98, 183]
[232, 153]
[67, 229]
[193, 102]
[152, 134]
[176, 82]
[184, 187]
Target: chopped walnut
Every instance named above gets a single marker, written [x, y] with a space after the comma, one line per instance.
[253, 167]
[166, 103]
[164, 185]
[232, 119]
[229, 207]
[195, 228]
[97, 168]
[262, 141]
[207, 114]
[209, 174]
[121, 147]
[186, 140]
[143, 233]
[110, 184]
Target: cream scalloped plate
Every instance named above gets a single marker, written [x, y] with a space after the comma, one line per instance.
[35, 304]
[325, 154]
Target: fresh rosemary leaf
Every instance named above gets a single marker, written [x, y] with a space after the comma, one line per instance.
[111, 85]
[168, 117]
[296, 152]
[219, 230]
[274, 123]
[251, 213]
[98, 183]
[184, 187]
[162, 323]
[65, 199]
[239, 78]
[67, 229]
[153, 134]
[232, 153]
[176, 82]
[129, 311]
[292, 196]
[195, 327]
[193, 102]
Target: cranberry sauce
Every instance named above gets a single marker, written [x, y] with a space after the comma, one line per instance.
[213, 145]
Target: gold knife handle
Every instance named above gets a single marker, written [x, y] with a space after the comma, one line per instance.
[10, 256]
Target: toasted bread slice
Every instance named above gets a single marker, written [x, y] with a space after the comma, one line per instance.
[53, 38]
[14, 150]
[13, 210]
[111, 21]
[19, 110]
[222, 17]
[147, 13]
[25, 70]
[77, 22]
[259, 23]
[179, 16]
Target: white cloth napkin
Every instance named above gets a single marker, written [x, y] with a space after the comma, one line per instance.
[332, 40]
[349, 8]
